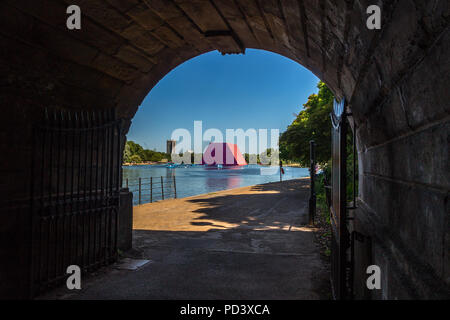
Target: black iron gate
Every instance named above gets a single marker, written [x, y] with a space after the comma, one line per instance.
[338, 209]
[75, 194]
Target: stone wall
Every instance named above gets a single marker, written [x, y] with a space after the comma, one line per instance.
[125, 235]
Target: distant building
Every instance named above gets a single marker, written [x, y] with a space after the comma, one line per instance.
[171, 146]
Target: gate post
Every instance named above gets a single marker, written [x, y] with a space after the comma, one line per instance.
[175, 186]
[140, 190]
[338, 209]
[312, 173]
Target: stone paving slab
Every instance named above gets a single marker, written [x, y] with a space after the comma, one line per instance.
[245, 243]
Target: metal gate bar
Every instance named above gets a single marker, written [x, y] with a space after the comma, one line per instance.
[338, 209]
[75, 194]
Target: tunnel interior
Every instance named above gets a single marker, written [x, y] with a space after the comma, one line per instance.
[395, 81]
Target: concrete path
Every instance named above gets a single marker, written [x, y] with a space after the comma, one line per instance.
[245, 243]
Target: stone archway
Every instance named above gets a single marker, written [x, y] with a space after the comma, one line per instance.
[395, 79]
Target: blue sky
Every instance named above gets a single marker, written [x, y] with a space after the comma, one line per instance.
[260, 90]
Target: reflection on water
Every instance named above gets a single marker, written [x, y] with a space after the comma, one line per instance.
[197, 180]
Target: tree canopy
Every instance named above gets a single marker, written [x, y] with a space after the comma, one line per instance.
[312, 123]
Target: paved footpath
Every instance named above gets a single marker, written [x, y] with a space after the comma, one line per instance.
[245, 243]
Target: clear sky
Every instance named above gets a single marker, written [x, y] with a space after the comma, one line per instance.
[260, 90]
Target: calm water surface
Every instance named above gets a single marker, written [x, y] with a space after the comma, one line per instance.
[191, 181]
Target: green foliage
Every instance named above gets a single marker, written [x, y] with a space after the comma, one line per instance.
[321, 192]
[127, 153]
[249, 157]
[269, 152]
[135, 159]
[326, 176]
[312, 123]
[135, 153]
[263, 155]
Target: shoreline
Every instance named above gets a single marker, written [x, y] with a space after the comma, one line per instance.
[164, 209]
[215, 193]
[294, 165]
[142, 164]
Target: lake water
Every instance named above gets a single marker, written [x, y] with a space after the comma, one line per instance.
[191, 181]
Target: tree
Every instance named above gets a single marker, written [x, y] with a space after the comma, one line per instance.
[134, 149]
[251, 157]
[266, 156]
[312, 123]
[127, 153]
[135, 159]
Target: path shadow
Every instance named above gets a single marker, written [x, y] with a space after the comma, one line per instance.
[269, 206]
[236, 246]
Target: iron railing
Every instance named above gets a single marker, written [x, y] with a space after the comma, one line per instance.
[148, 190]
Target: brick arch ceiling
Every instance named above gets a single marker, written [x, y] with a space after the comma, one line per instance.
[180, 30]
[126, 46]
[129, 45]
